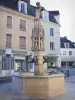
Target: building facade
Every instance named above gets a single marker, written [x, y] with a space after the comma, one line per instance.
[16, 24]
[67, 52]
[15, 36]
[51, 26]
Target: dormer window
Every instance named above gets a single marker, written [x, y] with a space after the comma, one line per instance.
[66, 45]
[74, 44]
[45, 15]
[22, 6]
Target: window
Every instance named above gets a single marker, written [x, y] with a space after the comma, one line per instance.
[45, 15]
[70, 53]
[64, 52]
[51, 32]
[22, 6]
[74, 44]
[51, 45]
[20, 64]
[6, 62]
[63, 63]
[8, 40]
[66, 45]
[22, 42]
[22, 25]
[9, 21]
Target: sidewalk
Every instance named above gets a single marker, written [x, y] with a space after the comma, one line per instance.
[70, 79]
[66, 96]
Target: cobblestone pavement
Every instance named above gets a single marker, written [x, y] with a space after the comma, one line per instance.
[70, 79]
[6, 93]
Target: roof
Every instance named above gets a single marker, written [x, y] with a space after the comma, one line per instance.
[65, 40]
[52, 18]
[31, 10]
[9, 3]
[56, 12]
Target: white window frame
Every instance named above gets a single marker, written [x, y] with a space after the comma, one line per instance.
[66, 45]
[51, 34]
[70, 53]
[53, 45]
[45, 15]
[64, 53]
[19, 6]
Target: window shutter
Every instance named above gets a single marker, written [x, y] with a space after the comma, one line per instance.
[9, 21]
[22, 24]
[22, 42]
[8, 40]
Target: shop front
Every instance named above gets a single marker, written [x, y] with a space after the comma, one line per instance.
[23, 63]
[15, 61]
[51, 60]
[29, 63]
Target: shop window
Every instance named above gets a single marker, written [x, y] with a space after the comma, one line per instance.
[20, 64]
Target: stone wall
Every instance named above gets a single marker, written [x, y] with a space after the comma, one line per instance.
[38, 86]
[43, 87]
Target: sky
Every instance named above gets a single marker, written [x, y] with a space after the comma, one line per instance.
[67, 15]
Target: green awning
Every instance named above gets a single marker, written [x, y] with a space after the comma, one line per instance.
[51, 56]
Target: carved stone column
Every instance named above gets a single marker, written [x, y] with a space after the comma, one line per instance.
[38, 42]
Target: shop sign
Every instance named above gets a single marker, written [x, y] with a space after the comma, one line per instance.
[30, 53]
[8, 51]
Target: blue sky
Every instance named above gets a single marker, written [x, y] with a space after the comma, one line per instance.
[67, 15]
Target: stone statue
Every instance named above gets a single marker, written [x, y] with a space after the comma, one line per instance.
[38, 10]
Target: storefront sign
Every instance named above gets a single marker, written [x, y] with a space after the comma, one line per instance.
[30, 53]
[8, 51]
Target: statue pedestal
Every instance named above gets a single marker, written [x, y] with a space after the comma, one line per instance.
[38, 86]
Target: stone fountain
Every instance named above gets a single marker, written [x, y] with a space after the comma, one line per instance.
[38, 85]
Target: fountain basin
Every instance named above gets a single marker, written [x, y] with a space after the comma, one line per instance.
[38, 86]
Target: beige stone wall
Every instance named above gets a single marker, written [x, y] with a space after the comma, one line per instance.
[15, 30]
[43, 87]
